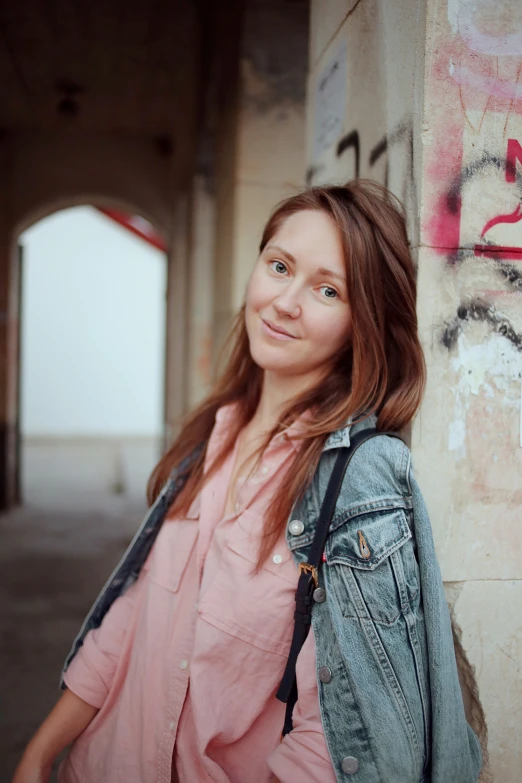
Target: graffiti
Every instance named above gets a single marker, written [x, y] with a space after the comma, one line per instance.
[403, 132]
[401, 136]
[482, 59]
[311, 174]
[462, 15]
[514, 154]
[351, 140]
[513, 217]
[446, 228]
[398, 141]
[476, 310]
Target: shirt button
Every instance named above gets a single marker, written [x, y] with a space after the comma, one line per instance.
[237, 508]
[277, 559]
[264, 470]
[183, 664]
[325, 675]
[172, 725]
[319, 595]
[350, 765]
[296, 527]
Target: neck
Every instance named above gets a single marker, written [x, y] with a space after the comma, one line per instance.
[277, 391]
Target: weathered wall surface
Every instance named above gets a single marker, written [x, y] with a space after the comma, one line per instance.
[262, 154]
[45, 171]
[467, 441]
[427, 97]
[365, 94]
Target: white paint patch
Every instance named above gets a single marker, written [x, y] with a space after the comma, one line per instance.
[490, 367]
[497, 359]
[457, 435]
[453, 14]
[462, 18]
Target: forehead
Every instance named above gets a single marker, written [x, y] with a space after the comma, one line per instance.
[312, 237]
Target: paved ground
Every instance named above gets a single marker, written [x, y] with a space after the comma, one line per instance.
[55, 554]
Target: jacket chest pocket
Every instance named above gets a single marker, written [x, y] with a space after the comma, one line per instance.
[255, 607]
[378, 575]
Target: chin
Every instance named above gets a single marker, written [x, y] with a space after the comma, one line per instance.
[265, 361]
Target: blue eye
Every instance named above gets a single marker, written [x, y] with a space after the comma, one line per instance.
[279, 267]
[330, 293]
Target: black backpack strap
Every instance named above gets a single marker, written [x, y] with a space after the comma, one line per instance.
[308, 572]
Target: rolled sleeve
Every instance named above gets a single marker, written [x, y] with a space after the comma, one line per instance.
[303, 754]
[91, 672]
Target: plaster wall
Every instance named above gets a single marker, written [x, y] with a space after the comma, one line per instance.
[427, 98]
[265, 150]
[41, 172]
[201, 293]
[365, 95]
[471, 321]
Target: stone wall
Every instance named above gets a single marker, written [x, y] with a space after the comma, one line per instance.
[471, 320]
[262, 155]
[427, 97]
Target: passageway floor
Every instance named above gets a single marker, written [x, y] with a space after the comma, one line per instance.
[54, 558]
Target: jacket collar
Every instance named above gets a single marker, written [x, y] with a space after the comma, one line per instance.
[341, 438]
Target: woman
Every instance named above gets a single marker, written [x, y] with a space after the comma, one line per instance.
[174, 673]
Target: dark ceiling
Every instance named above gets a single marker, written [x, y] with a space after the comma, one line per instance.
[102, 65]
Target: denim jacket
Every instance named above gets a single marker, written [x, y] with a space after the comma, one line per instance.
[389, 693]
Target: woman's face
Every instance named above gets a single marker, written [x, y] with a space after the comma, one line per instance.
[297, 312]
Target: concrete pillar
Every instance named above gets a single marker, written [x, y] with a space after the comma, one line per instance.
[426, 97]
[470, 278]
[201, 292]
[261, 141]
[9, 338]
[177, 317]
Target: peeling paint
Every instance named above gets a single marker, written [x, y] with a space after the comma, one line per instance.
[490, 368]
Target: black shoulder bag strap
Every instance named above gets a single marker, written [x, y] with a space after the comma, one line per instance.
[308, 572]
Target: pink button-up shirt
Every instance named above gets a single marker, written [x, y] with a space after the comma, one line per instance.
[185, 665]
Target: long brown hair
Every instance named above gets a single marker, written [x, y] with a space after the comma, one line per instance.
[380, 369]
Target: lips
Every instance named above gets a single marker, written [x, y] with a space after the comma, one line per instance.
[275, 330]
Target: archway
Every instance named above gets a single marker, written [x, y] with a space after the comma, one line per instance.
[57, 407]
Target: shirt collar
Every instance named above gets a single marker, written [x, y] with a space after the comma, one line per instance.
[338, 439]
[291, 434]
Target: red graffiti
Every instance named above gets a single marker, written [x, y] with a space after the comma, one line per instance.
[514, 153]
[494, 251]
[513, 217]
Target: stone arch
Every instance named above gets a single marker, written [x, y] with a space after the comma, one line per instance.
[27, 212]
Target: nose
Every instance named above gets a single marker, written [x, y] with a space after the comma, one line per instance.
[287, 304]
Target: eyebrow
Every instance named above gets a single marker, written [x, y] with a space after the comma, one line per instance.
[323, 271]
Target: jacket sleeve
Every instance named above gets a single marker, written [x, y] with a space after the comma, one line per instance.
[303, 754]
[91, 672]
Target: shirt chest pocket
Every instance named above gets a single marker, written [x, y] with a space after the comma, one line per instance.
[255, 607]
[376, 566]
[171, 553]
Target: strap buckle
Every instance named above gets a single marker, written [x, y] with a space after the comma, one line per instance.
[306, 568]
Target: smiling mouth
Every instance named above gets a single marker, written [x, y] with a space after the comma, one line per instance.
[276, 331]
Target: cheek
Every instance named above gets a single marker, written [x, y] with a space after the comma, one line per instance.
[256, 293]
[330, 333]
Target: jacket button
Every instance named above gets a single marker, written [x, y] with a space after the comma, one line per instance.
[296, 527]
[325, 675]
[350, 765]
[320, 595]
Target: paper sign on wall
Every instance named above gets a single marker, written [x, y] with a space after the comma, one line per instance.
[330, 103]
